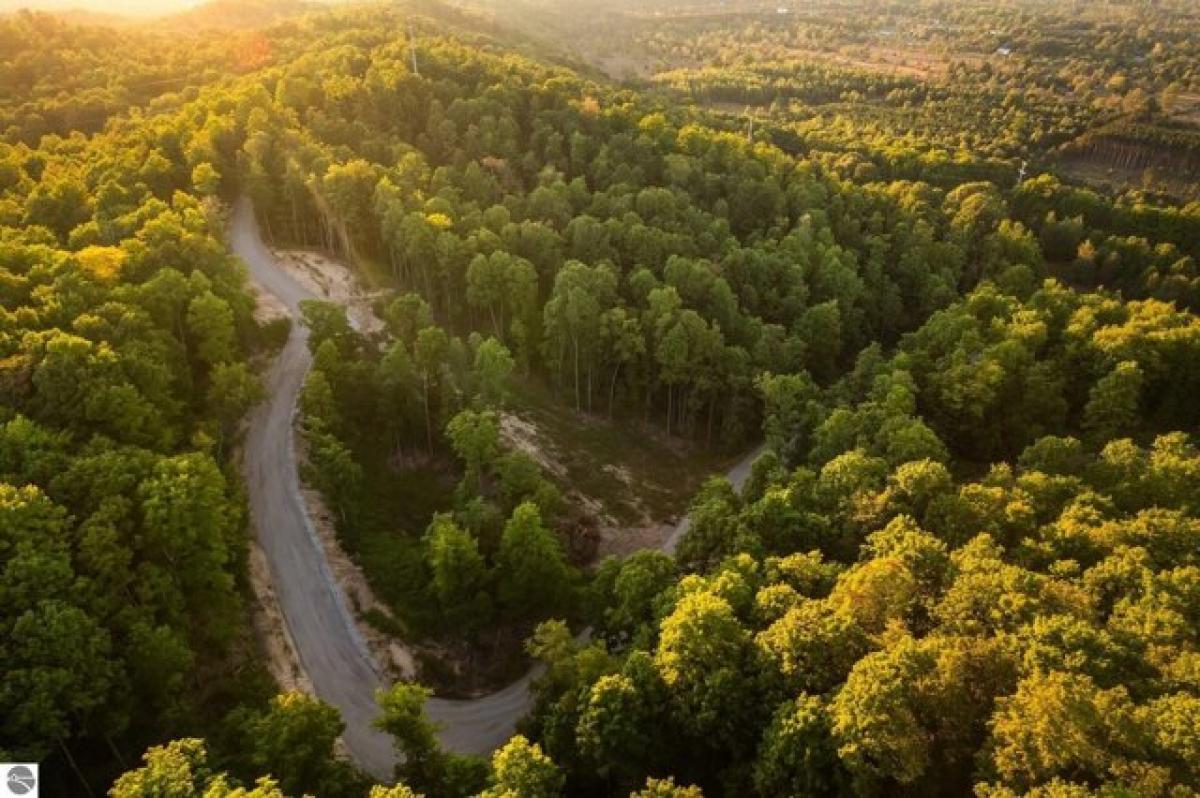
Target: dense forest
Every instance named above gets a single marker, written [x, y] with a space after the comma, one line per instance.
[966, 562]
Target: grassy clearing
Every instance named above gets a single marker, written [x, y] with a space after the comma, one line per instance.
[1106, 176]
[633, 471]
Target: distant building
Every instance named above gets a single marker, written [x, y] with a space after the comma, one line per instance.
[1004, 51]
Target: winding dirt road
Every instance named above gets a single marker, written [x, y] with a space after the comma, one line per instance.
[329, 645]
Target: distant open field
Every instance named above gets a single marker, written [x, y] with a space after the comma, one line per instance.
[1114, 178]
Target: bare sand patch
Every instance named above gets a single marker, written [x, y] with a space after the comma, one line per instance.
[271, 629]
[524, 436]
[612, 537]
[267, 308]
[334, 281]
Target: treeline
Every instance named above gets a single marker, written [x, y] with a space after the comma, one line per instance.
[984, 122]
[59, 78]
[969, 111]
[811, 83]
[855, 148]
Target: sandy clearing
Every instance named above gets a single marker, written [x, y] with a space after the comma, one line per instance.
[524, 436]
[334, 281]
[267, 308]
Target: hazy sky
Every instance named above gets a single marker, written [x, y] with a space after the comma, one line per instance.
[128, 7]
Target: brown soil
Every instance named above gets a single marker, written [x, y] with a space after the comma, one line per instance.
[1108, 176]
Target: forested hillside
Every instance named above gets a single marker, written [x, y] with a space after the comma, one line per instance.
[125, 332]
[967, 562]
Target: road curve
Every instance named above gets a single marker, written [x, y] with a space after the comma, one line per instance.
[737, 477]
[328, 643]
